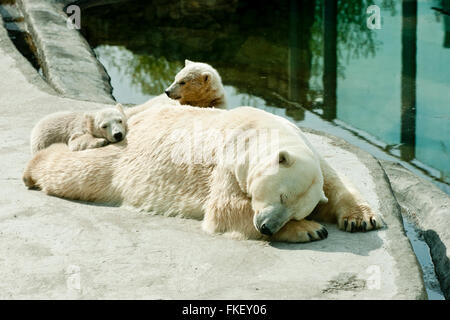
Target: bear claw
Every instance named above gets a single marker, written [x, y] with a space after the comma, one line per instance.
[364, 226]
[319, 235]
[363, 220]
[301, 231]
[373, 222]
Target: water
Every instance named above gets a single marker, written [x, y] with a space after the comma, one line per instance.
[422, 252]
[387, 90]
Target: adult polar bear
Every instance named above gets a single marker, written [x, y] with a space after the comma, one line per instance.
[242, 196]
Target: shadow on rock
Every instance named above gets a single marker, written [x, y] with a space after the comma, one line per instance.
[359, 243]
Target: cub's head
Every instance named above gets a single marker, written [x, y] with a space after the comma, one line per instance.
[108, 123]
[290, 191]
[197, 84]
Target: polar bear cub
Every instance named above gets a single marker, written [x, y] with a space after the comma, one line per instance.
[198, 84]
[80, 130]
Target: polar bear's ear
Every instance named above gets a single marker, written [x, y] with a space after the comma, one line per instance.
[187, 62]
[206, 76]
[285, 159]
[120, 108]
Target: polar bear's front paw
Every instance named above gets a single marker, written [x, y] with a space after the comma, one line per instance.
[301, 231]
[97, 143]
[359, 218]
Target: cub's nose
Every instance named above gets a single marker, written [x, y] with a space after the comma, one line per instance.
[265, 230]
[118, 136]
[167, 92]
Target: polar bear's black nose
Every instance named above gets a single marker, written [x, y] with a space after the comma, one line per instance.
[167, 92]
[265, 230]
[118, 136]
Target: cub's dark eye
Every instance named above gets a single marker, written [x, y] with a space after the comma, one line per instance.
[104, 126]
[120, 121]
[182, 83]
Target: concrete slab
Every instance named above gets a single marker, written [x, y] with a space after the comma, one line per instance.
[52, 248]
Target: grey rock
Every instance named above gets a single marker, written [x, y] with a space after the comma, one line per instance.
[429, 208]
[67, 61]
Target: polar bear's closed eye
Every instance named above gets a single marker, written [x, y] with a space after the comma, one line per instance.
[290, 193]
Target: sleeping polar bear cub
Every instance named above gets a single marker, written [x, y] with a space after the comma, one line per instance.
[172, 164]
[80, 130]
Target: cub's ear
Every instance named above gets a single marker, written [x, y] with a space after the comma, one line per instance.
[285, 159]
[323, 199]
[206, 76]
[187, 62]
[120, 108]
[89, 122]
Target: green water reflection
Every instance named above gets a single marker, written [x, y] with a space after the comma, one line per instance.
[389, 86]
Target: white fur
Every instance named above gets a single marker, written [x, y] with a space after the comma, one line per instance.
[142, 172]
[161, 168]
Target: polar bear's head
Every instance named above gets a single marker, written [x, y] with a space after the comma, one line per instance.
[197, 84]
[108, 123]
[290, 192]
